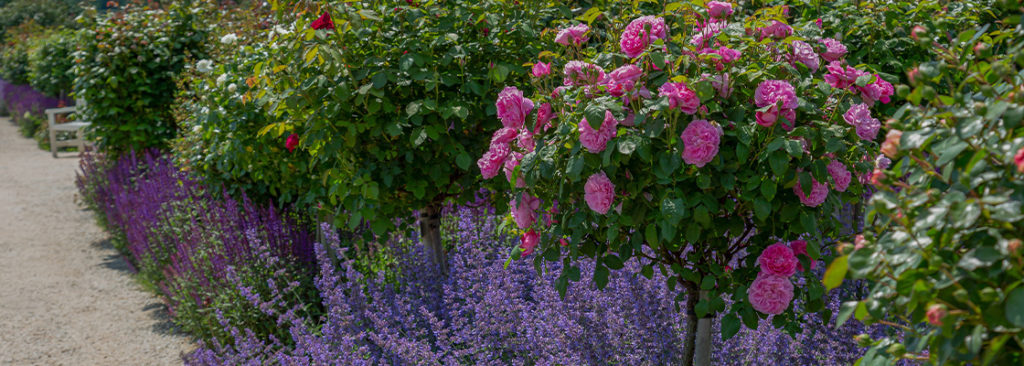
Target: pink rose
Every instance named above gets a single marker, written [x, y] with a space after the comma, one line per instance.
[840, 77]
[804, 53]
[834, 50]
[1019, 160]
[630, 120]
[917, 30]
[880, 90]
[599, 192]
[705, 32]
[858, 241]
[800, 248]
[503, 136]
[635, 38]
[719, 9]
[680, 96]
[596, 140]
[770, 294]
[818, 23]
[778, 260]
[575, 35]
[510, 166]
[721, 84]
[935, 314]
[725, 56]
[493, 160]
[891, 145]
[840, 175]
[524, 210]
[623, 79]
[771, 92]
[582, 73]
[700, 142]
[819, 192]
[544, 116]
[541, 69]
[860, 117]
[292, 141]
[777, 30]
[525, 141]
[512, 107]
[528, 242]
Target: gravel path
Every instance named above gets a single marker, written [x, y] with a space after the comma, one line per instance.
[66, 296]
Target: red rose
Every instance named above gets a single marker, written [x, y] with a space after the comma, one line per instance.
[323, 22]
[292, 142]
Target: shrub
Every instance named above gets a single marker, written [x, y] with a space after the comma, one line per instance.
[199, 248]
[126, 68]
[719, 155]
[14, 63]
[943, 245]
[387, 102]
[51, 63]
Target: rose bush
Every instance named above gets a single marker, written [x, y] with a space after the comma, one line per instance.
[706, 148]
[942, 244]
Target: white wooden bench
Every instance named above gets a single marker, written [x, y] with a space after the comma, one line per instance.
[76, 127]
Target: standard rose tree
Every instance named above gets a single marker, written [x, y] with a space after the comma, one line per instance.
[717, 154]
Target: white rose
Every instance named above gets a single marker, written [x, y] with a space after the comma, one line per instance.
[232, 88]
[204, 66]
[223, 78]
[228, 38]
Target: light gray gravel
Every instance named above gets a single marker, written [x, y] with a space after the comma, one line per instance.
[66, 296]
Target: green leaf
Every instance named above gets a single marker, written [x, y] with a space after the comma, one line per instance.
[627, 144]
[673, 209]
[768, 188]
[594, 114]
[865, 79]
[762, 208]
[1015, 306]
[779, 162]
[707, 283]
[463, 160]
[651, 235]
[835, 273]
[794, 148]
[730, 326]
[600, 276]
[575, 167]
[845, 311]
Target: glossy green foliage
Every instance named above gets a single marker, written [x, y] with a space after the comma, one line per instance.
[51, 63]
[944, 231]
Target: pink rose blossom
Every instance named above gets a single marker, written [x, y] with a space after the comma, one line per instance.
[840, 77]
[840, 175]
[680, 96]
[1019, 160]
[524, 210]
[770, 294]
[721, 84]
[858, 241]
[804, 53]
[635, 38]
[293, 140]
[777, 30]
[582, 73]
[891, 145]
[493, 160]
[819, 192]
[860, 117]
[705, 32]
[882, 162]
[778, 260]
[800, 248]
[623, 79]
[880, 90]
[525, 141]
[834, 50]
[700, 142]
[513, 107]
[935, 314]
[593, 140]
[876, 177]
[725, 56]
[917, 30]
[574, 35]
[544, 116]
[768, 118]
[771, 92]
[510, 166]
[719, 9]
[503, 136]
[528, 242]
[541, 69]
[629, 121]
[818, 23]
[599, 192]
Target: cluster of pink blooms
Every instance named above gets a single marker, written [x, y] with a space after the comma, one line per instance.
[599, 193]
[700, 142]
[725, 56]
[777, 30]
[640, 33]
[593, 140]
[845, 77]
[771, 292]
[513, 109]
[574, 35]
[780, 97]
[859, 116]
[1019, 160]
[804, 53]
[841, 177]
[680, 96]
[819, 192]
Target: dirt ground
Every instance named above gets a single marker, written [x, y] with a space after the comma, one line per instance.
[66, 296]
